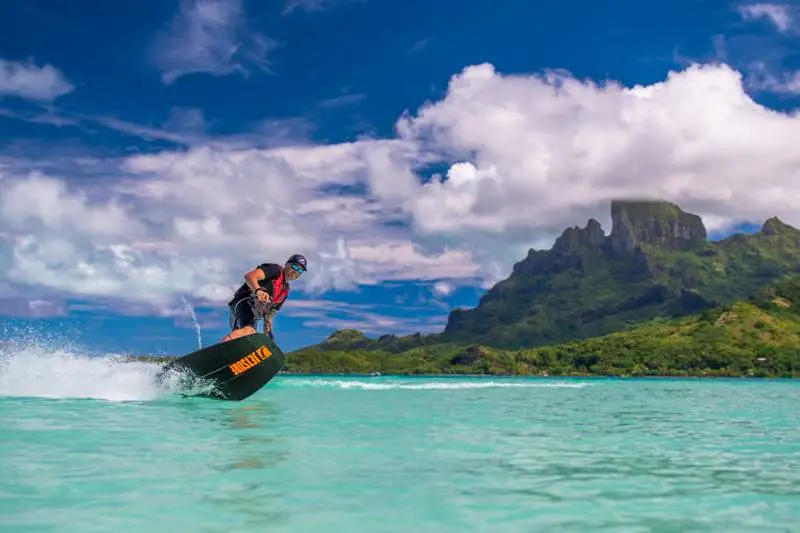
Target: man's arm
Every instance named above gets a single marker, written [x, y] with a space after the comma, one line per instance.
[253, 277]
[262, 271]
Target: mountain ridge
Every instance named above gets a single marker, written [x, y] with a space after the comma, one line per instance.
[755, 337]
[656, 262]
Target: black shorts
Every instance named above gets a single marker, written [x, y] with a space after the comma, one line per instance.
[242, 313]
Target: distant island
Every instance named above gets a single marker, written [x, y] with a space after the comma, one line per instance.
[652, 298]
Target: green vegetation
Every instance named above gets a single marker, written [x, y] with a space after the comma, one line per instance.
[755, 337]
[590, 284]
[652, 297]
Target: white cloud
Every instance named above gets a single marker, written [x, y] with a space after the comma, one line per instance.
[365, 320]
[368, 318]
[31, 308]
[193, 222]
[763, 79]
[341, 101]
[539, 150]
[210, 36]
[442, 288]
[404, 260]
[46, 204]
[316, 5]
[377, 324]
[185, 127]
[780, 15]
[38, 117]
[529, 154]
[30, 81]
[419, 46]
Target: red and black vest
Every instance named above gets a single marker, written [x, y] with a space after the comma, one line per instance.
[274, 283]
[277, 288]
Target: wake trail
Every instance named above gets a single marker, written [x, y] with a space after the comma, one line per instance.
[428, 385]
[36, 371]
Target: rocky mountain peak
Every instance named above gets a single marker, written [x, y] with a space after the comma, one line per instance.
[775, 226]
[592, 236]
[653, 222]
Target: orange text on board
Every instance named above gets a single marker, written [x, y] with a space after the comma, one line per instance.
[250, 360]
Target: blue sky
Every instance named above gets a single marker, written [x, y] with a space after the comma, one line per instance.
[153, 152]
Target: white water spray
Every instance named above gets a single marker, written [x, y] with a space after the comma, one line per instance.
[42, 372]
[197, 328]
[31, 369]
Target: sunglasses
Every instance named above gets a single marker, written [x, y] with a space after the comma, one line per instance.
[297, 269]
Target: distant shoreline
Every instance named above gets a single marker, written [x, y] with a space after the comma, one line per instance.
[539, 376]
[543, 374]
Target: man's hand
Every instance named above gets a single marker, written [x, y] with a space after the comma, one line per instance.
[262, 296]
[261, 307]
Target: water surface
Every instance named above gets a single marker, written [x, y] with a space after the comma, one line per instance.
[88, 444]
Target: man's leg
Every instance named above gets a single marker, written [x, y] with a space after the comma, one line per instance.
[268, 326]
[243, 320]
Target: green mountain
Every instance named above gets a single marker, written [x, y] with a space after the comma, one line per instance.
[655, 263]
[758, 336]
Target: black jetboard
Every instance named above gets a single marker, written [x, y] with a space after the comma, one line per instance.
[237, 368]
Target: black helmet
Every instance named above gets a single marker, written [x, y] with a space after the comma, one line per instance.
[298, 260]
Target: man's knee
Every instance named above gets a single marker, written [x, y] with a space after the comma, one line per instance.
[242, 315]
[241, 332]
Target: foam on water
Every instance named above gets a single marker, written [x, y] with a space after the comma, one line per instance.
[426, 385]
[39, 370]
[59, 373]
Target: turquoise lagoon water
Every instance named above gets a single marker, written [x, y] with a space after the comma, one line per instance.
[91, 444]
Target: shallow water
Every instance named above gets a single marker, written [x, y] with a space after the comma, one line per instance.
[89, 444]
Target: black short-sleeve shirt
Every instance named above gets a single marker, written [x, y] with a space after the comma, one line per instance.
[271, 272]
